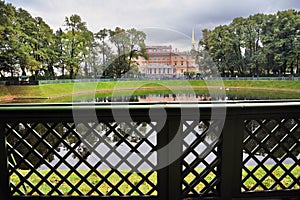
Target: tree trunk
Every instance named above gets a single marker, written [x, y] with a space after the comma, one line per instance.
[71, 72]
[292, 68]
[23, 71]
[36, 73]
[297, 64]
[63, 72]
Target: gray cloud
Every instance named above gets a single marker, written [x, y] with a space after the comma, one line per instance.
[176, 15]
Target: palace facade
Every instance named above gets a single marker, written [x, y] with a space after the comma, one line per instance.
[165, 62]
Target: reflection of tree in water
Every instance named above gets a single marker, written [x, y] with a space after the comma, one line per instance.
[29, 139]
[210, 129]
[277, 136]
[179, 97]
[32, 134]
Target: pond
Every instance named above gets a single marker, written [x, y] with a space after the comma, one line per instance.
[107, 152]
[232, 94]
[112, 161]
[192, 98]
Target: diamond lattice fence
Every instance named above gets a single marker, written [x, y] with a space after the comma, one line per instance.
[201, 158]
[271, 155]
[107, 158]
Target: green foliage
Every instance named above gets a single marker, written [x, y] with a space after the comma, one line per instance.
[130, 44]
[258, 45]
[28, 44]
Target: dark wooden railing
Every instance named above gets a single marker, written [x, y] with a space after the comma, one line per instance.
[237, 150]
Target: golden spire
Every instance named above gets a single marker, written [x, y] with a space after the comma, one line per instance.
[193, 38]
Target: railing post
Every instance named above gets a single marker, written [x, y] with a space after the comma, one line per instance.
[169, 177]
[162, 157]
[174, 186]
[231, 166]
[4, 180]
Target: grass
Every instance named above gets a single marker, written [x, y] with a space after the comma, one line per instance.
[133, 178]
[64, 186]
[78, 91]
[268, 181]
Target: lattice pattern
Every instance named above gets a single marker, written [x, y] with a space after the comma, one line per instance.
[271, 155]
[113, 159]
[201, 158]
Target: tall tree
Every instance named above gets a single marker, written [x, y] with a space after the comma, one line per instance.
[43, 51]
[59, 51]
[119, 64]
[238, 44]
[268, 38]
[286, 33]
[25, 24]
[87, 50]
[104, 48]
[73, 43]
[8, 40]
[253, 44]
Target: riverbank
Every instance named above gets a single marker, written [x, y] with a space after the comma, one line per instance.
[66, 92]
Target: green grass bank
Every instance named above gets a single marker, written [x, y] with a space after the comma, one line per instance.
[66, 91]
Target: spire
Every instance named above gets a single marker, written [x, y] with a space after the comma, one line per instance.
[193, 38]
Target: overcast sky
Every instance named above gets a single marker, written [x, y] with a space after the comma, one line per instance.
[162, 20]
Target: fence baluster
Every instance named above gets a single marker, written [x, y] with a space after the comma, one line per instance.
[4, 180]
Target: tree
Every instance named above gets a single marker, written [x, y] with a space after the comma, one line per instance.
[25, 24]
[102, 51]
[268, 38]
[59, 51]
[137, 45]
[26, 42]
[253, 44]
[119, 64]
[8, 41]
[256, 45]
[239, 44]
[74, 43]
[286, 33]
[129, 45]
[206, 64]
[43, 50]
[221, 48]
[87, 49]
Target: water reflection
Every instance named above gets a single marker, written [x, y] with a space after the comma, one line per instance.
[161, 98]
[174, 98]
[100, 138]
[125, 146]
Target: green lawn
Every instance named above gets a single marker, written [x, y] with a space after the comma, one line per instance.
[93, 178]
[135, 179]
